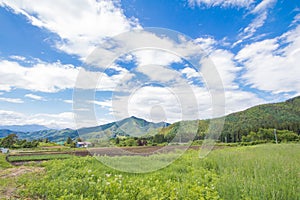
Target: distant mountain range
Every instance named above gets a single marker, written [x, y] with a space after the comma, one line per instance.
[284, 115]
[25, 128]
[131, 126]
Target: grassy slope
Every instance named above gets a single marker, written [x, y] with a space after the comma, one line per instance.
[3, 163]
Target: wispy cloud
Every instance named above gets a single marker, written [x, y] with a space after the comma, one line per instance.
[272, 64]
[11, 100]
[68, 101]
[221, 3]
[35, 97]
[261, 14]
[16, 57]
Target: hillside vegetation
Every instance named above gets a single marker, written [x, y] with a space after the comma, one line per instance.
[258, 120]
[257, 172]
[256, 123]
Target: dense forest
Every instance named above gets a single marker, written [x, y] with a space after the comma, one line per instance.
[257, 123]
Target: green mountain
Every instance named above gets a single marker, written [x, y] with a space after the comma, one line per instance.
[281, 116]
[131, 126]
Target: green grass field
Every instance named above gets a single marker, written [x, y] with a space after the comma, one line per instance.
[38, 157]
[266, 171]
[3, 163]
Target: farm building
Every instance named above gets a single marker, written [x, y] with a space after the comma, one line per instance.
[83, 144]
[4, 150]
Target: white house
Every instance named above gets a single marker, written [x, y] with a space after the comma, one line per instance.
[83, 144]
[4, 150]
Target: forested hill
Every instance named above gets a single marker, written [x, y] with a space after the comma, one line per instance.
[281, 116]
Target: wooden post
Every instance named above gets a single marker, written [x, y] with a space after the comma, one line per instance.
[275, 135]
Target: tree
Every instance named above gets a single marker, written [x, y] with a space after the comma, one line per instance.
[117, 140]
[9, 141]
[69, 140]
[158, 138]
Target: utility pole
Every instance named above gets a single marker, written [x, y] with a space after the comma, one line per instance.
[275, 135]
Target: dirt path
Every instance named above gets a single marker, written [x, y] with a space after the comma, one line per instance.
[9, 180]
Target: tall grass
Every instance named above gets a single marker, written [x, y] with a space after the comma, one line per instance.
[3, 163]
[256, 172]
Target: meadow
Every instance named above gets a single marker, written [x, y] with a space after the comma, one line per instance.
[38, 157]
[266, 171]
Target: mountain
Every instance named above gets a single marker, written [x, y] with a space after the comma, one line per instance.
[6, 132]
[25, 128]
[131, 126]
[281, 116]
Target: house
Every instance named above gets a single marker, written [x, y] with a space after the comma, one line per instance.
[4, 150]
[83, 144]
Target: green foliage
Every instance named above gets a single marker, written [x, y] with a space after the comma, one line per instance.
[3, 163]
[86, 178]
[9, 141]
[281, 116]
[38, 157]
[70, 143]
[253, 124]
[257, 172]
[269, 135]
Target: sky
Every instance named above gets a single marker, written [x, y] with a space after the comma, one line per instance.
[78, 63]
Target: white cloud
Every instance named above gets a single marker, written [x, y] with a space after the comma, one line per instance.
[272, 65]
[68, 101]
[54, 77]
[106, 104]
[35, 97]
[263, 6]
[80, 24]
[11, 100]
[44, 77]
[155, 57]
[59, 120]
[190, 73]
[237, 100]
[142, 101]
[227, 69]
[16, 57]
[158, 73]
[101, 81]
[261, 13]
[296, 20]
[221, 3]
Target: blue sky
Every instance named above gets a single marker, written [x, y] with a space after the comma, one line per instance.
[254, 45]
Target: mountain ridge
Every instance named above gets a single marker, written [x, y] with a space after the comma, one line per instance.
[280, 115]
[134, 125]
